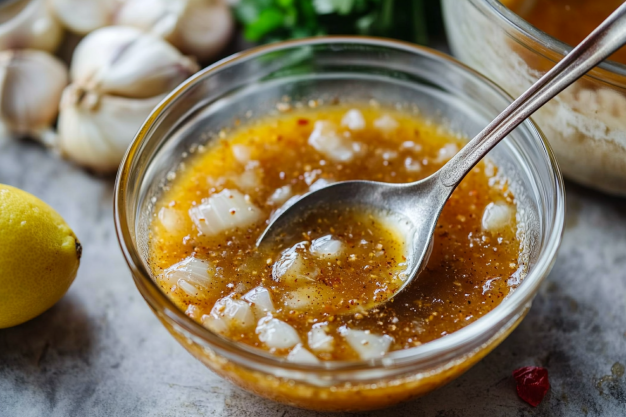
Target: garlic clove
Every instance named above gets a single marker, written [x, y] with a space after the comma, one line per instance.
[201, 28]
[204, 29]
[31, 84]
[126, 62]
[29, 24]
[119, 75]
[84, 16]
[158, 17]
[95, 131]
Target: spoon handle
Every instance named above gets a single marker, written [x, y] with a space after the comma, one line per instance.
[599, 45]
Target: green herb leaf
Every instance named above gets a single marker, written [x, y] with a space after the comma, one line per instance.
[272, 20]
[267, 21]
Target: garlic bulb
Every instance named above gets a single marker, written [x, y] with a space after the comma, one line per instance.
[126, 62]
[119, 74]
[84, 16]
[29, 24]
[196, 27]
[31, 84]
[94, 131]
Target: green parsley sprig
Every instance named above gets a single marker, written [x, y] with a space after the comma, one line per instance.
[273, 20]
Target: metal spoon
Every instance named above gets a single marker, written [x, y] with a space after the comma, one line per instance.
[421, 202]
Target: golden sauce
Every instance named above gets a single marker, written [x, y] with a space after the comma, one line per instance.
[326, 296]
[570, 21]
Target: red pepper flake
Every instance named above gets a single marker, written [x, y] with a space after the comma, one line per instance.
[303, 122]
[532, 384]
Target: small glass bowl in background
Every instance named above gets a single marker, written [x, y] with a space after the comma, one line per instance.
[585, 124]
[311, 72]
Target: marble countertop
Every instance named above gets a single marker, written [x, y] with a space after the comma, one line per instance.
[101, 352]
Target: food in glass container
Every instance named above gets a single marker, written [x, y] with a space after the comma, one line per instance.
[425, 83]
[325, 290]
[569, 21]
[514, 42]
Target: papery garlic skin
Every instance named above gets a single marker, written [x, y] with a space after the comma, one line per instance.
[158, 17]
[95, 131]
[201, 28]
[84, 16]
[127, 62]
[119, 74]
[31, 84]
[29, 24]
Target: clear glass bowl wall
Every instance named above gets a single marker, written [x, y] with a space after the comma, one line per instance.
[585, 124]
[359, 69]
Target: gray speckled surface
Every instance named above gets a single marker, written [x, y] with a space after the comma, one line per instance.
[101, 352]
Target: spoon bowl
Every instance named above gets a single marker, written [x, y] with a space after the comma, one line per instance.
[418, 214]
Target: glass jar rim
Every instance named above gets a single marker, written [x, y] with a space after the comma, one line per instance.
[509, 19]
[444, 347]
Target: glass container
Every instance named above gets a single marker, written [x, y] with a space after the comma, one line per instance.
[585, 124]
[319, 70]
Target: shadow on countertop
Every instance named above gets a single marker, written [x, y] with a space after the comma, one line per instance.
[63, 335]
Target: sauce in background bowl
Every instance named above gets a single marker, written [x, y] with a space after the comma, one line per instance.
[515, 42]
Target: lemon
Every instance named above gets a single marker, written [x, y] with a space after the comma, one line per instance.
[39, 256]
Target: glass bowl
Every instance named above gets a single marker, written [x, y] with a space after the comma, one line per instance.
[311, 71]
[585, 124]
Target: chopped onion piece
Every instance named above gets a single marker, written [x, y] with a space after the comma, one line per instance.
[497, 216]
[386, 123]
[319, 184]
[236, 314]
[447, 152]
[225, 210]
[284, 207]
[292, 268]
[239, 288]
[192, 270]
[281, 195]
[326, 140]
[216, 324]
[193, 311]
[290, 202]
[242, 153]
[311, 176]
[412, 165]
[309, 298]
[326, 247]
[411, 145]
[299, 354]
[248, 180]
[188, 288]
[261, 301]
[366, 344]
[353, 120]
[319, 340]
[171, 219]
[277, 334]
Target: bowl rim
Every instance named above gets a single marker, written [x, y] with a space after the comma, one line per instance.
[510, 19]
[424, 354]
